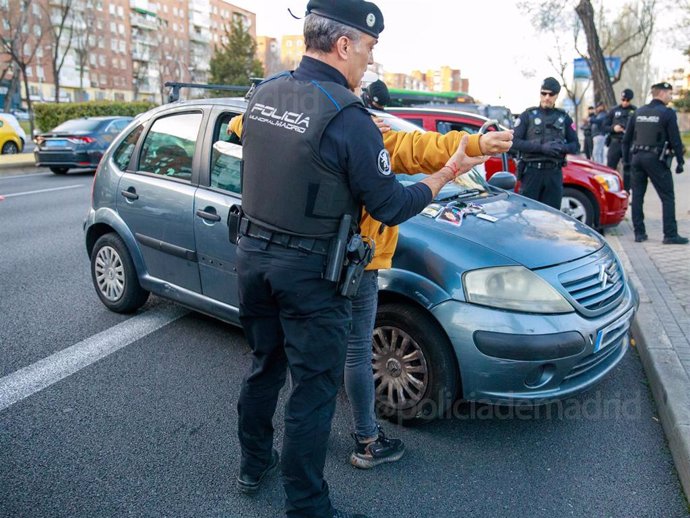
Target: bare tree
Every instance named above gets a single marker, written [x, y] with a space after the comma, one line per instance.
[552, 13]
[58, 31]
[19, 43]
[170, 58]
[83, 41]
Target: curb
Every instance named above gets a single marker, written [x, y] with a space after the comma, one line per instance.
[667, 377]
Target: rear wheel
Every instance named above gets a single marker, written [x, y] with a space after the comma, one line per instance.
[114, 275]
[59, 170]
[10, 148]
[577, 204]
[415, 372]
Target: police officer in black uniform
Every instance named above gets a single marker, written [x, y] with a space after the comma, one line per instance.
[652, 138]
[543, 136]
[312, 154]
[616, 121]
[376, 95]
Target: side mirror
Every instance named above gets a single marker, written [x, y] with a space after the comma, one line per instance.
[503, 180]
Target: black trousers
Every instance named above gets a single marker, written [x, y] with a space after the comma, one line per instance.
[614, 156]
[588, 146]
[544, 185]
[647, 166]
[292, 319]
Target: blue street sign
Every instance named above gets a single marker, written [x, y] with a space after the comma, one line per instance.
[581, 68]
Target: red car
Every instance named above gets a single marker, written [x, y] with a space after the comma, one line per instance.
[592, 193]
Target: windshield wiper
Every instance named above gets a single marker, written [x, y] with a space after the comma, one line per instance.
[461, 194]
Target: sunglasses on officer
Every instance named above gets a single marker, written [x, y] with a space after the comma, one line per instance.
[547, 94]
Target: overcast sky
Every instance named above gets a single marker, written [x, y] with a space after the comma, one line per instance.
[491, 42]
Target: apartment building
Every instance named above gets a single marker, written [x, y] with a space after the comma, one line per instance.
[123, 49]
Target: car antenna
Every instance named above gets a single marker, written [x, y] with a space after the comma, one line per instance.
[176, 85]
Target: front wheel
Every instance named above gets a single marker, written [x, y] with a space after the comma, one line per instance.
[59, 170]
[10, 148]
[114, 275]
[578, 205]
[415, 372]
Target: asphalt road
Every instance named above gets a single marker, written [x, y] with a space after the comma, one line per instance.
[111, 415]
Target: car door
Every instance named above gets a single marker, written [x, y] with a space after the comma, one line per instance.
[218, 197]
[157, 200]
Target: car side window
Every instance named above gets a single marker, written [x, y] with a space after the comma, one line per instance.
[226, 157]
[123, 153]
[169, 146]
[417, 122]
[444, 127]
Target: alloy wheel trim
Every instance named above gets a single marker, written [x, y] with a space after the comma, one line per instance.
[109, 273]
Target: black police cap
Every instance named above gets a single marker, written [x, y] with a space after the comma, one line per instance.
[551, 84]
[362, 15]
[378, 91]
[662, 86]
[627, 94]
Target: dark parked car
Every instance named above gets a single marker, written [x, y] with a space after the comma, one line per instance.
[492, 296]
[592, 193]
[77, 143]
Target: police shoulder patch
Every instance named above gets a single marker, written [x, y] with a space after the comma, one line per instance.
[384, 162]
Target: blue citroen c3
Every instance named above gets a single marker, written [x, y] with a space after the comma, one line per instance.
[492, 297]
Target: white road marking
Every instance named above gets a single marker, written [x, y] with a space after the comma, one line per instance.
[43, 190]
[34, 378]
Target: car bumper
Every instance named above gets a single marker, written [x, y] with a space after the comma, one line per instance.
[63, 158]
[613, 209]
[507, 357]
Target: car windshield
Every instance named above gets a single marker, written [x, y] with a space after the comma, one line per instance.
[469, 183]
[79, 125]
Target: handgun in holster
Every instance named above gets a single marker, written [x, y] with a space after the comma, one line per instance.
[348, 256]
[666, 155]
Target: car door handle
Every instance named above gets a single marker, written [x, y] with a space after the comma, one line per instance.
[210, 216]
[130, 194]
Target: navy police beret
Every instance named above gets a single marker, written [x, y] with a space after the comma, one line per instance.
[362, 15]
[627, 94]
[551, 85]
[663, 86]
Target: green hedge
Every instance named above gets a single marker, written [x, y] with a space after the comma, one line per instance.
[49, 115]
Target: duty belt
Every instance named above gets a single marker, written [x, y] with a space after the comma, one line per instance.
[544, 165]
[305, 244]
[651, 149]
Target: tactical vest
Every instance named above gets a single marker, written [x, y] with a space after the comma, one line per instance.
[544, 126]
[286, 186]
[649, 133]
[621, 116]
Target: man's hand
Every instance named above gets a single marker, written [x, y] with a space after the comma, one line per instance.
[458, 164]
[679, 168]
[382, 125]
[553, 148]
[618, 129]
[495, 142]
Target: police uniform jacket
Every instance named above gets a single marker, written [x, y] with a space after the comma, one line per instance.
[618, 115]
[411, 153]
[651, 126]
[537, 126]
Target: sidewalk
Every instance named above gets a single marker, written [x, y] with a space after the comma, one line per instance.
[661, 273]
[19, 160]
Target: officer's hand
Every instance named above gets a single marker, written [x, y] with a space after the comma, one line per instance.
[495, 142]
[618, 128]
[679, 168]
[382, 125]
[553, 148]
[460, 163]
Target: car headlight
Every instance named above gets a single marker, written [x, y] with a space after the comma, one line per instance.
[610, 182]
[515, 288]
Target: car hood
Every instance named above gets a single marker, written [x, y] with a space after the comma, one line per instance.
[589, 165]
[524, 232]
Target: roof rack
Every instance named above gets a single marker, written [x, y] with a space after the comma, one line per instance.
[175, 87]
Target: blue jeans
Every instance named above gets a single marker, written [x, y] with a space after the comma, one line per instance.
[359, 381]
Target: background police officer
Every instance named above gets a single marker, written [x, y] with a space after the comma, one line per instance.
[311, 155]
[376, 95]
[544, 135]
[651, 133]
[587, 133]
[616, 122]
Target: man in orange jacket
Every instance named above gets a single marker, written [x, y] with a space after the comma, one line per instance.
[411, 153]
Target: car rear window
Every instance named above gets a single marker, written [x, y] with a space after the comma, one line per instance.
[79, 125]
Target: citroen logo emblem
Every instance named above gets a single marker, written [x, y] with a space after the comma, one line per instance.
[603, 276]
